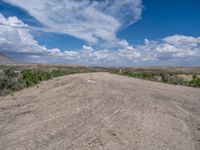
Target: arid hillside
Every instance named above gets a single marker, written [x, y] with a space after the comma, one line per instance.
[7, 60]
[101, 111]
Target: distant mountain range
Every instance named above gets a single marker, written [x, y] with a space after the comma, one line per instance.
[4, 59]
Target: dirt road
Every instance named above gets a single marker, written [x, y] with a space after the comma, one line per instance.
[101, 111]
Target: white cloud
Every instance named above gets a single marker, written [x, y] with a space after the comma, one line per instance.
[90, 20]
[179, 40]
[70, 55]
[176, 49]
[11, 21]
[123, 43]
[18, 40]
[55, 51]
[128, 51]
[14, 38]
[180, 46]
[88, 49]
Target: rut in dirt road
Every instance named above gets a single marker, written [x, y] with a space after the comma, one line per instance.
[101, 111]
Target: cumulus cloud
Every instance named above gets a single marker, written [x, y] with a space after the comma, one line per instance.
[150, 53]
[11, 21]
[90, 20]
[180, 46]
[176, 49]
[14, 39]
[179, 40]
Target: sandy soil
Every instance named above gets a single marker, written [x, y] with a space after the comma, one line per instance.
[101, 111]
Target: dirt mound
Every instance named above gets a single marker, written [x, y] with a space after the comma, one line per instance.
[99, 111]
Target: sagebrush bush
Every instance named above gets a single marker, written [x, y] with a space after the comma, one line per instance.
[57, 73]
[195, 82]
[10, 72]
[171, 78]
[143, 75]
[14, 81]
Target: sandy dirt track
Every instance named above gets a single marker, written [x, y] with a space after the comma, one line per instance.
[101, 111]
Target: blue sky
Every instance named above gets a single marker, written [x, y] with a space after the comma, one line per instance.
[107, 32]
[163, 18]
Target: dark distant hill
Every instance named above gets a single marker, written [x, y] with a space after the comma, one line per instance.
[4, 59]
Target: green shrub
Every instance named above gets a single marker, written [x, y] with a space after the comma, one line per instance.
[14, 81]
[164, 77]
[175, 80]
[30, 77]
[9, 80]
[59, 72]
[3, 81]
[43, 75]
[143, 75]
[10, 72]
[171, 78]
[195, 82]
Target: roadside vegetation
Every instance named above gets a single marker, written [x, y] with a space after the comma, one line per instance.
[15, 78]
[12, 80]
[176, 78]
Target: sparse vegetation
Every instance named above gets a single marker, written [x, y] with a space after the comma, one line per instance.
[15, 78]
[12, 80]
[162, 76]
[195, 82]
[143, 75]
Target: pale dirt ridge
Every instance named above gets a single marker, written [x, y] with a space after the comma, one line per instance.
[101, 111]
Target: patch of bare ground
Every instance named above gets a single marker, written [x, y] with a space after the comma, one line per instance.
[101, 111]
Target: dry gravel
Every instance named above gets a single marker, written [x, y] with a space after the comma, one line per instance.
[101, 111]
